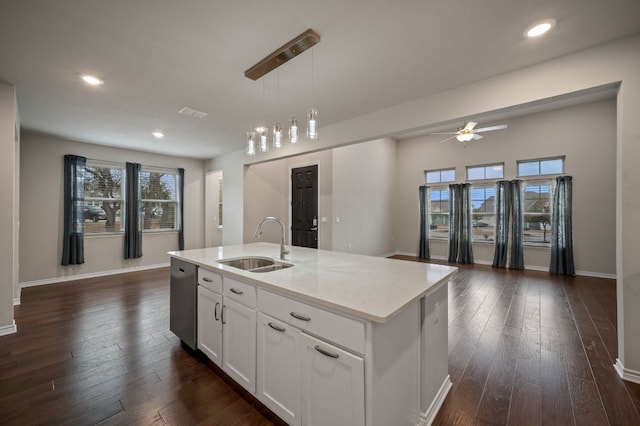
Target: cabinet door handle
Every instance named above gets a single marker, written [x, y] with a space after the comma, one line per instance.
[222, 314]
[277, 328]
[325, 352]
[207, 280]
[300, 316]
[236, 291]
[215, 311]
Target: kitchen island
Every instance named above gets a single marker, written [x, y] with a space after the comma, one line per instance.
[330, 338]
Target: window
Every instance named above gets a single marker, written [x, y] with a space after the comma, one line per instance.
[489, 171]
[441, 175]
[537, 211]
[439, 212]
[158, 189]
[545, 166]
[483, 212]
[103, 197]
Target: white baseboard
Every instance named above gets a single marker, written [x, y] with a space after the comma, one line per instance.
[91, 275]
[8, 329]
[625, 373]
[16, 302]
[527, 267]
[429, 416]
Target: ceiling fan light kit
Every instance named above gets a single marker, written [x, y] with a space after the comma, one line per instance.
[280, 56]
[469, 132]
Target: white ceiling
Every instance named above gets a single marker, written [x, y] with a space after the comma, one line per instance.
[157, 56]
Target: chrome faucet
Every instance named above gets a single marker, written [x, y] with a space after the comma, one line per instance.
[283, 251]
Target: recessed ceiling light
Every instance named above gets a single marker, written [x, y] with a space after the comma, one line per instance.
[158, 134]
[539, 28]
[93, 81]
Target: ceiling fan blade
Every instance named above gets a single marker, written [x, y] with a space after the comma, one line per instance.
[477, 136]
[490, 128]
[444, 133]
[448, 139]
[469, 126]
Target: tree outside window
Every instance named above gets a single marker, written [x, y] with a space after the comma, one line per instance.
[103, 198]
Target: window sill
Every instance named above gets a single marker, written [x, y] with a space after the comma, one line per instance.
[542, 246]
[159, 231]
[104, 235]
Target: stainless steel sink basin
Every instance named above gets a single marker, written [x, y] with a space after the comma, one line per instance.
[248, 263]
[255, 264]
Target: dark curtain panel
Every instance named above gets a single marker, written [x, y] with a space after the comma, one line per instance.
[73, 231]
[423, 250]
[180, 209]
[503, 210]
[516, 260]
[460, 236]
[132, 229]
[561, 228]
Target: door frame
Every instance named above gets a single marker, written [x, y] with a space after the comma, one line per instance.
[290, 214]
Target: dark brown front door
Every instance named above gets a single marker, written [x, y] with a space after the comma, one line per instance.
[304, 206]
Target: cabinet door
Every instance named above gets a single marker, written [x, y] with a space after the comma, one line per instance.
[210, 324]
[332, 388]
[239, 343]
[277, 381]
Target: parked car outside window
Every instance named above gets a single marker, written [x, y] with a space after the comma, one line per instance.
[94, 213]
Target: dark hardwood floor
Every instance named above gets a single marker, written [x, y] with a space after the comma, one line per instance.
[525, 348]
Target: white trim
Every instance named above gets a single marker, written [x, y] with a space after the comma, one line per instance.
[596, 274]
[625, 373]
[91, 275]
[428, 416]
[8, 329]
[387, 254]
[16, 301]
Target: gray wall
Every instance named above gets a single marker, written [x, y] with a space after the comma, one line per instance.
[41, 213]
[364, 185]
[586, 134]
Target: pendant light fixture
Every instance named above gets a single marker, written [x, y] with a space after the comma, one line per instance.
[280, 56]
[312, 113]
[293, 129]
[251, 143]
[277, 126]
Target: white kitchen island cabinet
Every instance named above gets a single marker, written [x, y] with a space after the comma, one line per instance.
[336, 338]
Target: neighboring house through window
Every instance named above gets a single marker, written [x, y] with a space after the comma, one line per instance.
[538, 192]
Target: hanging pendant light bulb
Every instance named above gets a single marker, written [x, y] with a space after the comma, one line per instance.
[277, 126]
[277, 135]
[312, 114]
[293, 129]
[312, 124]
[263, 146]
[251, 143]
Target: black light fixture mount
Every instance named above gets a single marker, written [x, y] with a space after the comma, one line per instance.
[290, 50]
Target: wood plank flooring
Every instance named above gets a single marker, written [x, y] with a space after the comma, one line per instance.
[525, 348]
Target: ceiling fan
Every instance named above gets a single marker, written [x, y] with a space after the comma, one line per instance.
[469, 131]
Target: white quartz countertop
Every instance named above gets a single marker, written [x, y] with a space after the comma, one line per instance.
[370, 288]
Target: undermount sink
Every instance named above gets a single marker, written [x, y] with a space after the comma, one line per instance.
[255, 264]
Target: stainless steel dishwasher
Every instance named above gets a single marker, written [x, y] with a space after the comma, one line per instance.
[183, 301]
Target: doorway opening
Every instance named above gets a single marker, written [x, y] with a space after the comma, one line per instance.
[304, 206]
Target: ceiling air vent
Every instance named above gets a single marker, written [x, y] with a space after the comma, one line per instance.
[192, 112]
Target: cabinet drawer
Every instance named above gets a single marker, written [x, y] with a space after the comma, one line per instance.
[210, 280]
[346, 332]
[239, 291]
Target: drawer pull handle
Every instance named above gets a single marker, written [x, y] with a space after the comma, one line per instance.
[236, 291]
[207, 280]
[277, 328]
[215, 311]
[300, 316]
[327, 353]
